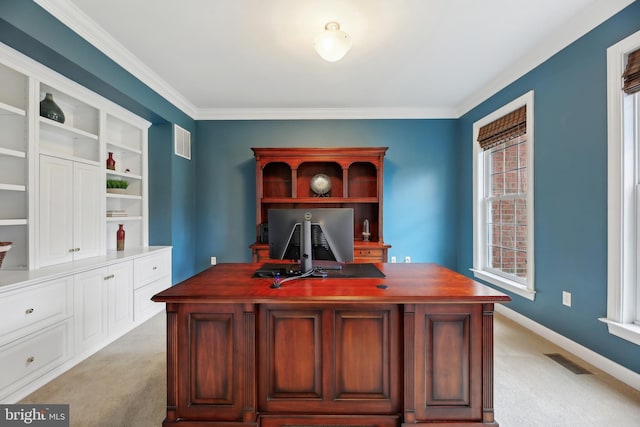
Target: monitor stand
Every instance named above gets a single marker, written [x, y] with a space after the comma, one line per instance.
[306, 258]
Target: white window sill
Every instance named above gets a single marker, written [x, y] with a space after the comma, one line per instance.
[626, 331]
[505, 284]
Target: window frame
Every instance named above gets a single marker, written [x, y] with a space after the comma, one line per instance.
[623, 207]
[480, 269]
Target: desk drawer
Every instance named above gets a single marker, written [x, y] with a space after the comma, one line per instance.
[33, 356]
[34, 307]
[149, 268]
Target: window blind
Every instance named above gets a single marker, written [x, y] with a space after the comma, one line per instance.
[631, 73]
[507, 127]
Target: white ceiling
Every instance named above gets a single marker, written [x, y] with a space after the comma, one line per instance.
[225, 59]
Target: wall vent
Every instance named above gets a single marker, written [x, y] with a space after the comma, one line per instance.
[566, 363]
[182, 142]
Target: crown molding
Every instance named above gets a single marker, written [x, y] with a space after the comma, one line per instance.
[323, 113]
[74, 18]
[70, 15]
[594, 15]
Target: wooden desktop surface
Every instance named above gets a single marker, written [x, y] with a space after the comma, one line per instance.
[406, 284]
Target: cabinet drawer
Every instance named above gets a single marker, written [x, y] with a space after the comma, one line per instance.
[25, 310]
[143, 307]
[150, 268]
[369, 255]
[33, 356]
[261, 254]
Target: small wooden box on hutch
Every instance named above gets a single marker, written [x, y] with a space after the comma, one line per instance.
[283, 177]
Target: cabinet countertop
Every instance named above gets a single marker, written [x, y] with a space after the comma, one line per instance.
[12, 279]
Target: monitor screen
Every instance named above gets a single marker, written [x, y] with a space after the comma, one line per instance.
[330, 231]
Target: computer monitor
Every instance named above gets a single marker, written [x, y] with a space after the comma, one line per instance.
[311, 234]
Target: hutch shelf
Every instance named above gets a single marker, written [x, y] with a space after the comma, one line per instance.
[283, 178]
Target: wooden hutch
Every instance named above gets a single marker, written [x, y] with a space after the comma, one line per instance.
[283, 178]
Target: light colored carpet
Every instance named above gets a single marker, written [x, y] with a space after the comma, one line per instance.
[124, 384]
[532, 390]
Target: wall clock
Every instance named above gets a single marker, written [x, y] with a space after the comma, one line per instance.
[321, 184]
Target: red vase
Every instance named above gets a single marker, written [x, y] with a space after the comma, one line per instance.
[120, 238]
[111, 164]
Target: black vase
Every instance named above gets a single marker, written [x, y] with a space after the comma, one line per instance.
[50, 110]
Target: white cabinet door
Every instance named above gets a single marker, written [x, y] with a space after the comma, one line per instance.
[70, 211]
[103, 304]
[120, 304]
[88, 211]
[90, 308]
[55, 225]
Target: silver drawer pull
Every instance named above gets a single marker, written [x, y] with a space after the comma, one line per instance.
[77, 249]
[31, 359]
[71, 250]
[155, 268]
[28, 311]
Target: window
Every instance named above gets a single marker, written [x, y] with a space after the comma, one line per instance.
[623, 105]
[503, 197]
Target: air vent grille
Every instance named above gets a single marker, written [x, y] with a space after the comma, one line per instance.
[182, 142]
[563, 361]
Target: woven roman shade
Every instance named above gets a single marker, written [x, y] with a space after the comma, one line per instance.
[503, 129]
[631, 74]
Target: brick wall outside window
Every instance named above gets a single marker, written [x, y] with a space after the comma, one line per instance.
[507, 207]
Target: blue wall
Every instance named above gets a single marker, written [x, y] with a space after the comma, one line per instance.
[171, 201]
[570, 118]
[420, 180]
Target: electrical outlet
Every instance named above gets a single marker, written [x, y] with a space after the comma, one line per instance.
[407, 259]
[214, 260]
[393, 260]
[566, 298]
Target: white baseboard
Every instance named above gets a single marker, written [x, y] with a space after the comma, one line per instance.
[617, 371]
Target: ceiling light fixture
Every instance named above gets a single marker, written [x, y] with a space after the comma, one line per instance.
[332, 44]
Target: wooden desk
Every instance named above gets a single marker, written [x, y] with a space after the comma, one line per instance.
[330, 352]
